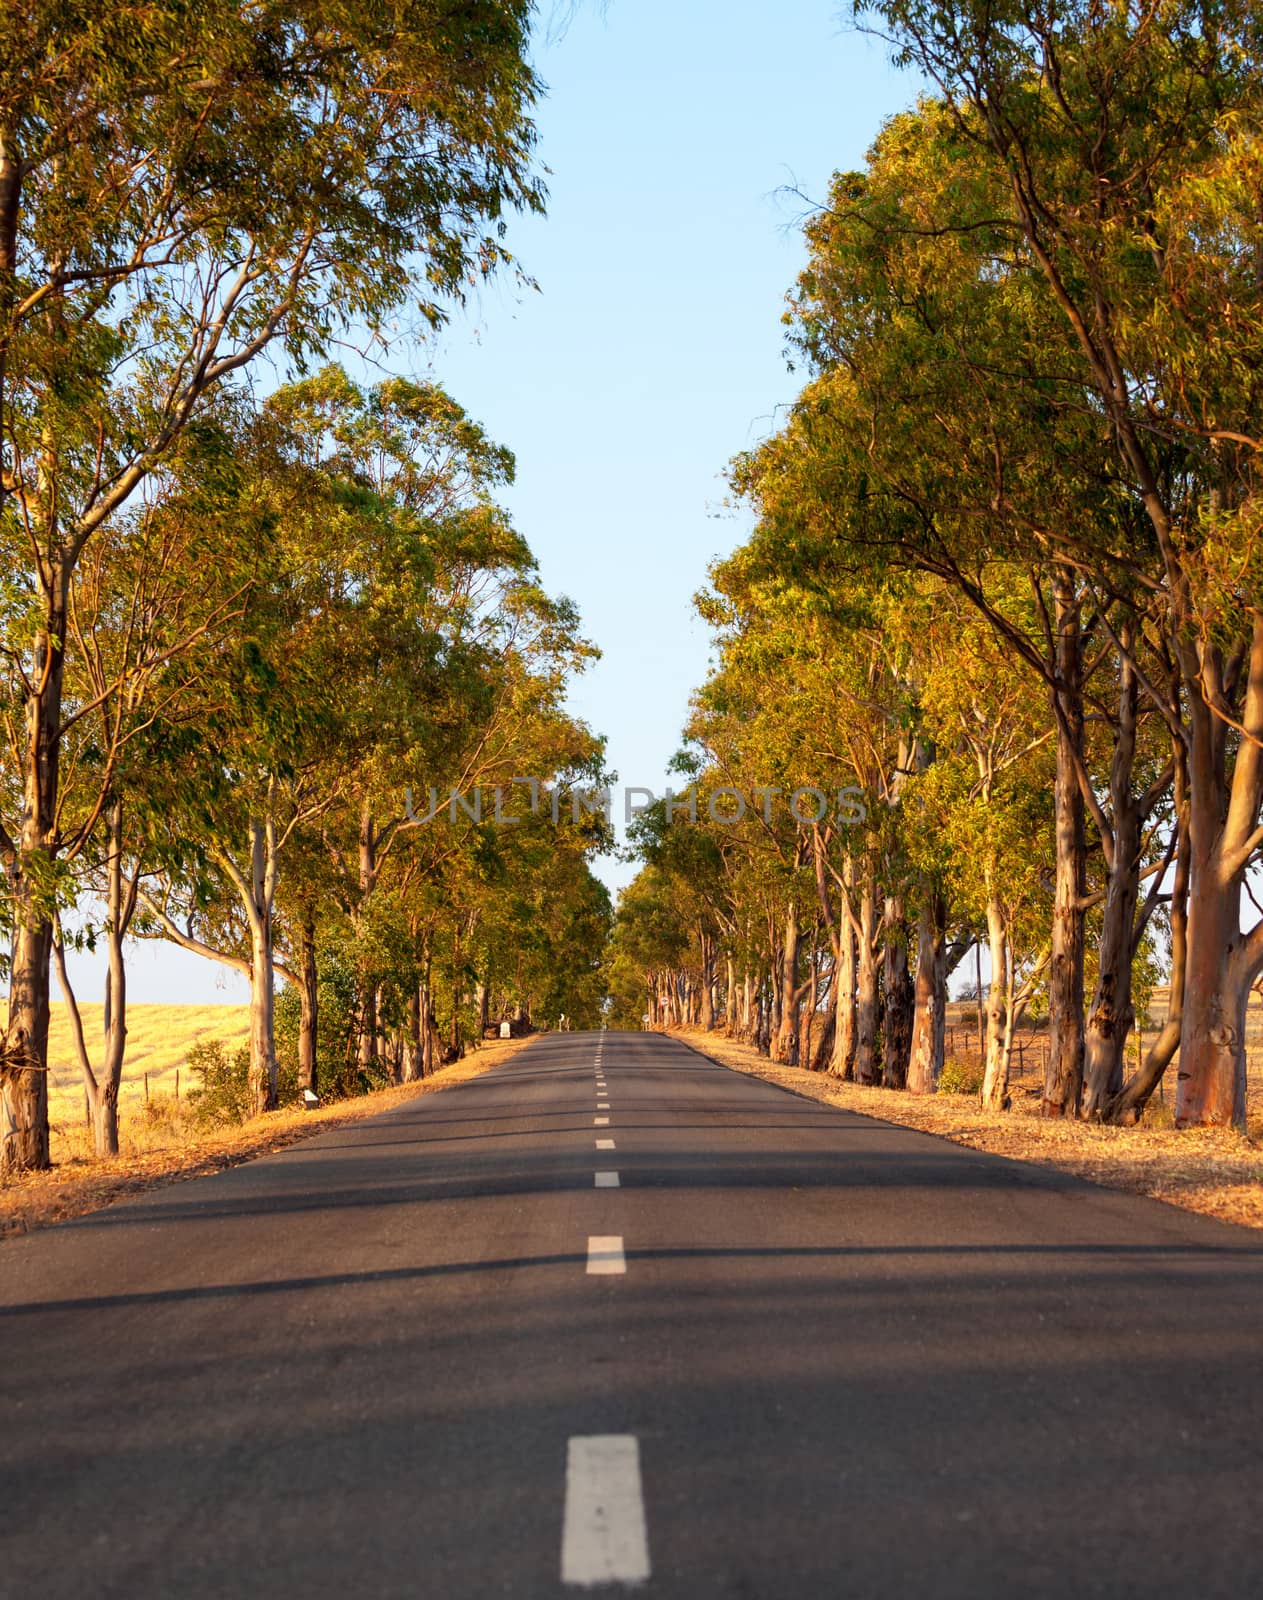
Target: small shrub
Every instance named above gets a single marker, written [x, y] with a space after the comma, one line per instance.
[224, 1097]
[960, 1077]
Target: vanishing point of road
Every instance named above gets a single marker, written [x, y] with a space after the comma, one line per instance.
[611, 1315]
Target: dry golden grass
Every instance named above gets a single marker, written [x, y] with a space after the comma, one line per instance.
[158, 1042]
[164, 1147]
[1205, 1169]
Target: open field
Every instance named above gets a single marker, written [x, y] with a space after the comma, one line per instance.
[158, 1042]
[165, 1147]
[1206, 1169]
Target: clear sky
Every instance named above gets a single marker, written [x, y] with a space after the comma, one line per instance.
[653, 350]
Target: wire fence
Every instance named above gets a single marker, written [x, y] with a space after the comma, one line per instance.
[964, 1043]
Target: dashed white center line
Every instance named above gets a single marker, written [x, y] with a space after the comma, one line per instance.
[605, 1255]
[606, 1180]
[603, 1534]
[600, 1122]
[605, 1144]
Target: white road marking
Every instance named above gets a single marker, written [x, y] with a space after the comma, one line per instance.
[605, 1255]
[603, 1535]
[602, 1105]
[600, 1122]
[605, 1144]
[606, 1180]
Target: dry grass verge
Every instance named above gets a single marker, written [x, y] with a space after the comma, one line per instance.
[173, 1150]
[1205, 1169]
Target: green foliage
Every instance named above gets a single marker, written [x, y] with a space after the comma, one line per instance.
[224, 1097]
[960, 1077]
[337, 1072]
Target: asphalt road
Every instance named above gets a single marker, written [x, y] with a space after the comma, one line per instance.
[794, 1353]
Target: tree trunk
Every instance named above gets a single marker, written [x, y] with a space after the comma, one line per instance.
[1111, 1015]
[707, 996]
[1136, 1093]
[1063, 1077]
[807, 1011]
[309, 1008]
[785, 1047]
[995, 1078]
[898, 989]
[1222, 961]
[413, 1063]
[928, 1029]
[119, 909]
[427, 1010]
[367, 1047]
[24, 1065]
[866, 986]
[262, 976]
[842, 1062]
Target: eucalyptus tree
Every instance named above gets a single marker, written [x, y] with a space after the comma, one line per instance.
[182, 187]
[143, 628]
[1123, 138]
[947, 429]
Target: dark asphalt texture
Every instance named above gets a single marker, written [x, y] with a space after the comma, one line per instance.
[860, 1361]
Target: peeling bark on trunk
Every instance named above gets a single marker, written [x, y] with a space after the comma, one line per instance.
[995, 1078]
[866, 998]
[930, 994]
[1222, 961]
[785, 1045]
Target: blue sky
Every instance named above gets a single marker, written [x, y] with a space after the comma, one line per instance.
[653, 350]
